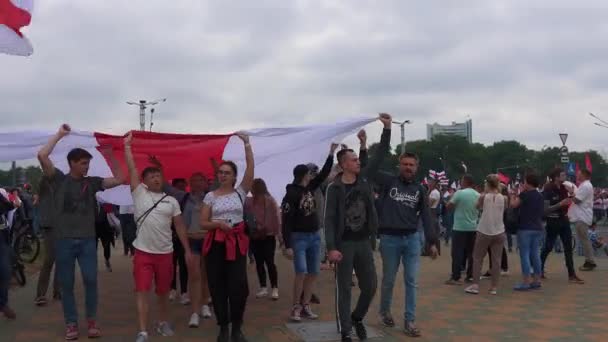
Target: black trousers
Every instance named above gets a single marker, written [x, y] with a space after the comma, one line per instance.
[127, 224]
[179, 259]
[504, 262]
[463, 244]
[227, 284]
[562, 229]
[107, 248]
[263, 252]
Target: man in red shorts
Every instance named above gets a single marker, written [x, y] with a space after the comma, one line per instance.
[154, 213]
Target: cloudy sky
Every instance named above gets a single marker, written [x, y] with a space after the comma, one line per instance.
[523, 70]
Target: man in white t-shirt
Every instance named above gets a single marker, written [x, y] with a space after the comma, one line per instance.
[155, 211]
[581, 214]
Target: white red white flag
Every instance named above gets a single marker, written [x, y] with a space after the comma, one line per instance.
[14, 15]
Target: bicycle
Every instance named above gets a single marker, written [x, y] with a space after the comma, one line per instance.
[18, 269]
[26, 243]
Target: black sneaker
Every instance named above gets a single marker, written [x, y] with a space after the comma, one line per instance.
[587, 266]
[387, 320]
[224, 335]
[410, 330]
[360, 330]
[346, 337]
[314, 299]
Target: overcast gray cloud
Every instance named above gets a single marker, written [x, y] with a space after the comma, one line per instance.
[521, 70]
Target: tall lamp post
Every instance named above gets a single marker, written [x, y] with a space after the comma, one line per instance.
[402, 125]
[143, 104]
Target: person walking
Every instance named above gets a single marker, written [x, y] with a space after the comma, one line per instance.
[45, 211]
[226, 245]
[403, 203]
[490, 233]
[75, 208]
[581, 215]
[556, 213]
[530, 231]
[264, 240]
[351, 224]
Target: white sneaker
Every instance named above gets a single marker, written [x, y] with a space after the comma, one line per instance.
[504, 273]
[275, 294]
[185, 300]
[172, 295]
[206, 312]
[262, 293]
[195, 321]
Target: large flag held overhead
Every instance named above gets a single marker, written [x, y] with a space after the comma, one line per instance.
[276, 151]
[14, 15]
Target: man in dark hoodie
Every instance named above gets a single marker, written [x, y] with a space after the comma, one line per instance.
[351, 225]
[404, 201]
[301, 233]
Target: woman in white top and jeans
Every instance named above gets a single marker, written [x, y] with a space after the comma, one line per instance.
[226, 244]
[490, 233]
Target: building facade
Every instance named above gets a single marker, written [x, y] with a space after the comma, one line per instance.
[463, 129]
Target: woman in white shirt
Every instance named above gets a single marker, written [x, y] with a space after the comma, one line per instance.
[226, 244]
[490, 233]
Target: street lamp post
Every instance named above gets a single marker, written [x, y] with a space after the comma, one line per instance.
[143, 104]
[402, 125]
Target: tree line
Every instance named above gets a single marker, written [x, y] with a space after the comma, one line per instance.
[449, 152]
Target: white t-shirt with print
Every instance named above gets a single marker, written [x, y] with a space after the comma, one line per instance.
[154, 232]
[434, 196]
[582, 212]
[227, 208]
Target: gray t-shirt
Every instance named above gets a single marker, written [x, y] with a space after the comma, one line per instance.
[75, 205]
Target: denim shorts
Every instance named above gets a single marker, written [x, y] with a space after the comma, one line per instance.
[196, 246]
[306, 248]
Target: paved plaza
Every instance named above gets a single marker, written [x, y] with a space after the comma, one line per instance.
[559, 312]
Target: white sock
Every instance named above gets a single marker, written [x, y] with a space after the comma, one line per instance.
[145, 333]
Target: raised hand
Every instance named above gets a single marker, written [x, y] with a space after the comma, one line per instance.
[333, 148]
[386, 119]
[154, 161]
[362, 135]
[343, 147]
[64, 130]
[243, 136]
[128, 139]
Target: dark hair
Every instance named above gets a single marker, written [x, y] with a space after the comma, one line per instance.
[467, 179]
[586, 173]
[78, 154]
[232, 166]
[533, 180]
[177, 181]
[554, 174]
[409, 155]
[259, 187]
[199, 174]
[150, 170]
[299, 172]
[342, 153]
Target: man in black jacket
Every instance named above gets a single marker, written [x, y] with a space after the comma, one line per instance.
[404, 202]
[351, 225]
[301, 236]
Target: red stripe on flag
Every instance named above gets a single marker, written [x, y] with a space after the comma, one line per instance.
[13, 17]
[180, 154]
[588, 164]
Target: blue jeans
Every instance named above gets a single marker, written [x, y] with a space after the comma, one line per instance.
[528, 242]
[67, 251]
[5, 268]
[396, 249]
[306, 252]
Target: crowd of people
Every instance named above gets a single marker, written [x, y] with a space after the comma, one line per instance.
[195, 236]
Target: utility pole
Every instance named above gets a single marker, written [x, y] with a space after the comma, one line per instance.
[143, 104]
[402, 125]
